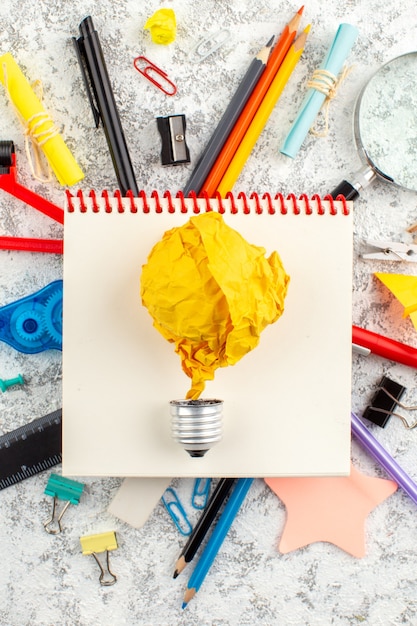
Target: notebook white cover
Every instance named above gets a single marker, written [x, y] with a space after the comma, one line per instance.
[286, 404]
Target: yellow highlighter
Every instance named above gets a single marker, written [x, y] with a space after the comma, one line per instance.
[99, 547]
[39, 125]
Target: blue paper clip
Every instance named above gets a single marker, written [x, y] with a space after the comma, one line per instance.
[201, 492]
[61, 488]
[177, 512]
[152, 68]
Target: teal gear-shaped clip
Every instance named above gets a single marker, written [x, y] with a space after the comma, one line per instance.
[34, 323]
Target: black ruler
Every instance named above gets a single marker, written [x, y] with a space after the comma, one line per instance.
[31, 449]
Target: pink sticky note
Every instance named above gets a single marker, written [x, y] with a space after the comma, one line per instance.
[330, 509]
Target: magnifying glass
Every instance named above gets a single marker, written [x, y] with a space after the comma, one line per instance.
[385, 128]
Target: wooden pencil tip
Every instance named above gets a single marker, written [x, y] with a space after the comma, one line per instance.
[299, 43]
[179, 566]
[188, 595]
[300, 10]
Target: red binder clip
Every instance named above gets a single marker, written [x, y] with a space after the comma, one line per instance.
[152, 68]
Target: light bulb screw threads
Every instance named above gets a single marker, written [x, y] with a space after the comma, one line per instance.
[196, 424]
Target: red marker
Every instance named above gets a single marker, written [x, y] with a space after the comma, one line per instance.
[384, 346]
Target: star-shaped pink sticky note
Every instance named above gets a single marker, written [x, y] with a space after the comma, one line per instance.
[330, 509]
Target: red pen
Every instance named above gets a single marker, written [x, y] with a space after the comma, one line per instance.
[384, 346]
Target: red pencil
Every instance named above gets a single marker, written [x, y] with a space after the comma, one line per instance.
[28, 244]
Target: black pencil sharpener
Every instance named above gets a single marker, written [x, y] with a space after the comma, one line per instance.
[174, 147]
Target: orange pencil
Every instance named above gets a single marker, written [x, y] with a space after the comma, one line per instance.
[262, 115]
[276, 58]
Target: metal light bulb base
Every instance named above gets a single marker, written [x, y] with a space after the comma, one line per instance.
[196, 424]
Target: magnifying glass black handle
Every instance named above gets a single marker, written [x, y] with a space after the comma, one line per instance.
[345, 189]
[360, 181]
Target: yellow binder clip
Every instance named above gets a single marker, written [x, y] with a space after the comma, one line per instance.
[99, 547]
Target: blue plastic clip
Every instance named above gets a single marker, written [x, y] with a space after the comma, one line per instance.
[177, 512]
[61, 488]
[201, 492]
[34, 323]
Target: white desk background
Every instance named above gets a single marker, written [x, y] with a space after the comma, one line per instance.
[44, 580]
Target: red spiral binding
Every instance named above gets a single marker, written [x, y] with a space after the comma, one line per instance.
[142, 196]
[306, 199]
[155, 196]
[80, 196]
[255, 198]
[243, 198]
[133, 207]
[118, 196]
[281, 200]
[220, 204]
[193, 196]
[252, 203]
[267, 196]
[233, 208]
[167, 196]
[93, 197]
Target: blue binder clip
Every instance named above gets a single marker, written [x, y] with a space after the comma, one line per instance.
[61, 488]
[176, 510]
[34, 323]
[201, 492]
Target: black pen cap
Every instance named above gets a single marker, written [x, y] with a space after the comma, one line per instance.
[87, 26]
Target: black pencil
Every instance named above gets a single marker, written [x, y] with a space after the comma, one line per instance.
[217, 498]
[227, 122]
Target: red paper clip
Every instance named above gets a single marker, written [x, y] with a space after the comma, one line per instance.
[151, 67]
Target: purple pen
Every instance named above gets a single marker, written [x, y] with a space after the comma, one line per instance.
[372, 445]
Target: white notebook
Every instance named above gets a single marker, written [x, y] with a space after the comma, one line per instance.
[286, 405]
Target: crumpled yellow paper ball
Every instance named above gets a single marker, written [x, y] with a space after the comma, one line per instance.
[162, 26]
[211, 293]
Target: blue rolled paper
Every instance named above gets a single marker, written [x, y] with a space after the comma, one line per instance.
[336, 56]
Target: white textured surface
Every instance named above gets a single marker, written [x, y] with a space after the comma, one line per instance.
[44, 580]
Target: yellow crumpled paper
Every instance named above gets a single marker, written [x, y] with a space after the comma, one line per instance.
[162, 26]
[211, 293]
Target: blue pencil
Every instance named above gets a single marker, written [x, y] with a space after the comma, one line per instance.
[219, 533]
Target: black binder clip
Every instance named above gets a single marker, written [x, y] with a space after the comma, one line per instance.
[385, 402]
[174, 148]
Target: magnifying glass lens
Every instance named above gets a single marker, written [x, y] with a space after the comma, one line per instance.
[385, 126]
